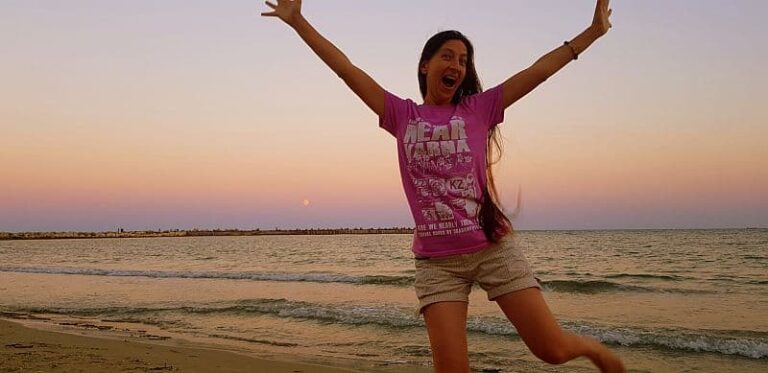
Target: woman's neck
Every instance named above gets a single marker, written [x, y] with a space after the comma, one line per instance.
[431, 101]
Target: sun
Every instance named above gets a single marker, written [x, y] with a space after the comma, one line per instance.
[306, 202]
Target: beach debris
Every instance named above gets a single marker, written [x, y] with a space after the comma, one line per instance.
[153, 337]
[165, 366]
[19, 345]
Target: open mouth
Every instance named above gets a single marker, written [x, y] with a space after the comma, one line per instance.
[449, 81]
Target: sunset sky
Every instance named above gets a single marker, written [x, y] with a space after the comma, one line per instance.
[200, 114]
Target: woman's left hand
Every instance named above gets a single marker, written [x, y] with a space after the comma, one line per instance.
[600, 22]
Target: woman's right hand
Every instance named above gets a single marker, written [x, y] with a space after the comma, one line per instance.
[287, 10]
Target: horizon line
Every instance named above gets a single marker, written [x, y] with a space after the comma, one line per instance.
[279, 229]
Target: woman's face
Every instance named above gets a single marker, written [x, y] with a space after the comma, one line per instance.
[445, 72]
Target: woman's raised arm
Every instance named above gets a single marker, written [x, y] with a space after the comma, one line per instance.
[358, 80]
[525, 81]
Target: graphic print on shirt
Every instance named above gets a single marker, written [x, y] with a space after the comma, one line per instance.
[434, 154]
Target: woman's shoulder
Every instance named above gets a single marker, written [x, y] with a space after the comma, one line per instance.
[482, 95]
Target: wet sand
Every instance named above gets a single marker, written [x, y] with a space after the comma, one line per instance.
[25, 349]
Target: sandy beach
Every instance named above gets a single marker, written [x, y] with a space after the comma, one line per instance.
[25, 349]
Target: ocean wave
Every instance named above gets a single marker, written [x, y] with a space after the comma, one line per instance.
[727, 342]
[319, 277]
[563, 286]
[600, 286]
[589, 286]
[648, 276]
[748, 344]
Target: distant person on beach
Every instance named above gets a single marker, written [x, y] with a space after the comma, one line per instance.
[445, 148]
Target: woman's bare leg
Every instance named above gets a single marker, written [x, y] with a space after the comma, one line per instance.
[528, 311]
[447, 328]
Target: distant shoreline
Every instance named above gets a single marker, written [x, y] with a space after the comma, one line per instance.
[271, 232]
[197, 233]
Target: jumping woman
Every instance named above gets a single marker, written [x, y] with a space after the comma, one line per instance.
[445, 148]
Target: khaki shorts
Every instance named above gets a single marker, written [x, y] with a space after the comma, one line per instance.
[499, 269]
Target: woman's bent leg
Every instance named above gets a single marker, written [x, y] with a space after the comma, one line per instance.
[529, 313]
[447, 329]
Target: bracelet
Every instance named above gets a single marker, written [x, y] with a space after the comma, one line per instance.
[573, 50]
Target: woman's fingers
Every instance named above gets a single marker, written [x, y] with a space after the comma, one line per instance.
[272, 13]
[286, 10]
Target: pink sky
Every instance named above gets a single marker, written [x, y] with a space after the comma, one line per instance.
[195, 115]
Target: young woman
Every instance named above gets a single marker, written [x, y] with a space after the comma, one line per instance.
[444, 147]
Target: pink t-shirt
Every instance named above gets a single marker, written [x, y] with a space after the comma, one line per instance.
[442, 152]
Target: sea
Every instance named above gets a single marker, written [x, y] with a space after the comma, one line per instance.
[664, 300]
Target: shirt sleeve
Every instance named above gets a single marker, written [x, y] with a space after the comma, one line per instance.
[488, 106]
[395, 113]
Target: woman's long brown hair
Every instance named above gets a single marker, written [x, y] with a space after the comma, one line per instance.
[491, 217]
